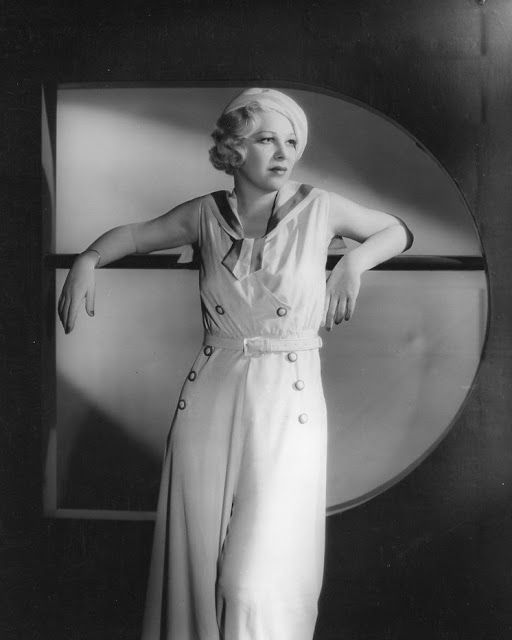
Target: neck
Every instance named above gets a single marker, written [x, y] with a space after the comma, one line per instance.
[252, 201]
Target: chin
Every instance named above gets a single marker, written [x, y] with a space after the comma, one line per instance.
[277, 181]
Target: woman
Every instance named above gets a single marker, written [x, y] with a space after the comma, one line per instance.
[239, 536]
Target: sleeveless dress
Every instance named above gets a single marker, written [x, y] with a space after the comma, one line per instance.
[238, 548]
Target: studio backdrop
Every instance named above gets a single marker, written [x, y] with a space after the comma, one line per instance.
[395, 376]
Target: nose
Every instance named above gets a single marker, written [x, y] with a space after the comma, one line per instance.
[280, 151]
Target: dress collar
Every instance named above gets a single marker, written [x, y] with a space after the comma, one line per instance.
[287, 198]
[245, 255]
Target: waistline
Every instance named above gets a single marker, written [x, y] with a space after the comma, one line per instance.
[257, 346]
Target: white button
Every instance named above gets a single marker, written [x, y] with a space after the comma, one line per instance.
[303, 418]
[292, 356]
[281, 311]
[219, 310]
[299, 385]
[208, 350]
[192, 376]
[182, 404]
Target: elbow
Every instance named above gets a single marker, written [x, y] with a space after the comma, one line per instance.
[409, 237]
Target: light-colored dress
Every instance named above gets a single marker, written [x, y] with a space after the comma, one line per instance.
[238, 547]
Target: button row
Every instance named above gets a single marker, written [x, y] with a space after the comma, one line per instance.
[191, 376]
[299, 385]
[281, 311]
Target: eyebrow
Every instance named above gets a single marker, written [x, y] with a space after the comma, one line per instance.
[257, 133]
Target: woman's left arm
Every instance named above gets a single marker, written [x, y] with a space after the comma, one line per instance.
[382, 236]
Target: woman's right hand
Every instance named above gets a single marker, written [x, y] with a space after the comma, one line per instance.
[80, 284]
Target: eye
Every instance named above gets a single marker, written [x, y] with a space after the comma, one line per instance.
[293, 142]
[267, 139]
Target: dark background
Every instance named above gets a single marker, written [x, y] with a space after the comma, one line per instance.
[429, 559]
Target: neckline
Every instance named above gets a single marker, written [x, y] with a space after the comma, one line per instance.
[295, 191]
[227, 215]
[232, 201]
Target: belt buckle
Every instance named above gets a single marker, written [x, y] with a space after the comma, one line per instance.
[255, 347]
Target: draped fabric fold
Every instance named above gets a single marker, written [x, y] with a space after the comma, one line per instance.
[232, 257]
[238, 259]
[245, 255]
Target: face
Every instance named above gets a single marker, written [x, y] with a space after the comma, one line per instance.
[271, 152]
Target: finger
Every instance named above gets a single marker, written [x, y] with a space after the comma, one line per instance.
[349, 308]
[89, 299]
[73, 310]
[65, 314]
[340, 311]
[62, 302]
[60, 306]
[331, 312]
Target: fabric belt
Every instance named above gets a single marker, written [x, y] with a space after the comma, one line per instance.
[258, 346]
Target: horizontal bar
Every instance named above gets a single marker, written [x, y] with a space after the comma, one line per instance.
[171, 261]
[100, 514]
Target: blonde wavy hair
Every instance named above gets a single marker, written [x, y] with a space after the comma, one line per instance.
[229, 151]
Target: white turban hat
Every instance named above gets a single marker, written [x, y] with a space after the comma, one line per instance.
[272, 100]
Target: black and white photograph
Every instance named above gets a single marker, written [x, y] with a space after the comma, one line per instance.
[256, 321]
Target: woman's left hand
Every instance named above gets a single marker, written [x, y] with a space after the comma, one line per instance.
[343, 286]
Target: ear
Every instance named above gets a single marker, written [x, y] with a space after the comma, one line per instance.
[236, 155]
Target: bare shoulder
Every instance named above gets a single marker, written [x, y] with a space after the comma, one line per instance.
[187, 212]
[175, 228]
[341, 205]
[354, 220]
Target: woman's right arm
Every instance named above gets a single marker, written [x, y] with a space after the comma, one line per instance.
[176, 228]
